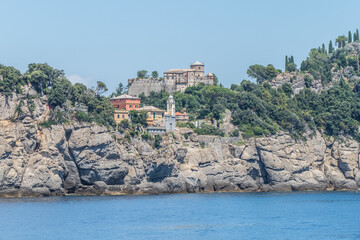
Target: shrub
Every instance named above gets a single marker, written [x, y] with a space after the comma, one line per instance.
[209, 130]
[83, 117]
[157, 142]
[146, 136]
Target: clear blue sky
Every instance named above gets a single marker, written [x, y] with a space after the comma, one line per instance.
[111, 40]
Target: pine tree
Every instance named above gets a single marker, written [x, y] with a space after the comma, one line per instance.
[291, 59]
[331, 48]
[349, 37]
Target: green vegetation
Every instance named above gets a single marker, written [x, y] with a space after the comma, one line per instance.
[12, 80]
[154, 74]
[257, 108]
[290, 65]
[261, 73]
[138, 117]
[209, 130]
[61, 93]
[260, 110]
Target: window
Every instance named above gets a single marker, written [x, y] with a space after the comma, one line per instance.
[130, 106]
[199, 68]
[162, 115]
[123, 116]
[154, 115]
[118, 116]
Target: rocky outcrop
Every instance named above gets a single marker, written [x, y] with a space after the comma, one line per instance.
[79, 158]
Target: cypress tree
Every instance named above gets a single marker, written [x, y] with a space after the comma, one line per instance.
[323, 48]
[349, 37]
[331, 48]
[357, 35]
[286, 62]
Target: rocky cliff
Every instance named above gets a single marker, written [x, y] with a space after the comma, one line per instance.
[83, 158]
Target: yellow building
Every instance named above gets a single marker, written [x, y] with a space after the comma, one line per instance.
[120, 115]
[153, 113]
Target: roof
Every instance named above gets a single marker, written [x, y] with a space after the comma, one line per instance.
[156, 128]
[181, 114]
[179, 70]
[210, 74]
[121, 111]
[197, 63]
[125, 96]
[150, 109]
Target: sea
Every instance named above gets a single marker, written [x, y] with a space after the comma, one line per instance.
[298, 215]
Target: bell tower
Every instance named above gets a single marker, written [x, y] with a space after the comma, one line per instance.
[171, 106]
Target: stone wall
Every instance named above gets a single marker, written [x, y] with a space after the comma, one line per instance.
[146, 86]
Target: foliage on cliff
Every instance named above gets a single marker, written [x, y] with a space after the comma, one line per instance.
[67, 101]
[258, 109]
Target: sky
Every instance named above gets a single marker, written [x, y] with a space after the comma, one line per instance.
[111, 40]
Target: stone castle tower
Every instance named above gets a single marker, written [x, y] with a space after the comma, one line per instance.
[174, 80]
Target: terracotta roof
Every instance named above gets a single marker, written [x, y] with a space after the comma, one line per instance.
[197, 63]
[178, 114]
[179, 70]
[125, 96]
[150, 109]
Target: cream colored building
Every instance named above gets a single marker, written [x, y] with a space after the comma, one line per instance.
[153, 114]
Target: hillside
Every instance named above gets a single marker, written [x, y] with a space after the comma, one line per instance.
[85, 158]
[291, 131]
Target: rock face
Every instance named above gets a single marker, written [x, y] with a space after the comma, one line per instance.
[89, 159]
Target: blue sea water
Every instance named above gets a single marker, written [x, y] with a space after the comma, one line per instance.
[330, 215]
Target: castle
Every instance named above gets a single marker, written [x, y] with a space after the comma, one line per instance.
[174, 80]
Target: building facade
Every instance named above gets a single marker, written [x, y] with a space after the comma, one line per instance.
[125, 102]
[174, 80]
[153, 114]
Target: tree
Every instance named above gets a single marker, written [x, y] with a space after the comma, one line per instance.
[261, 73]
[216, 80]
[349, 37]
[137, 117]
[100, 88]
[11, 79]
[323, 49]
[119, 90]
[331, 48]
[357, 35]
[42, 76]
[59, 92]
[341, 41]
[155, 74]
[141, 74]
[290, 65]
